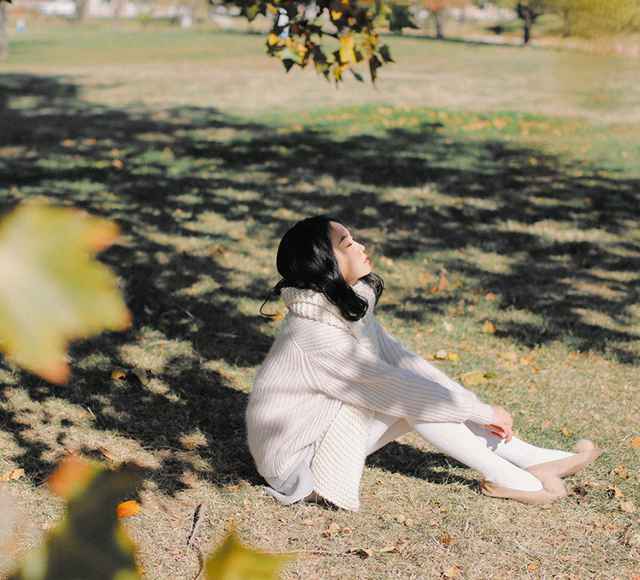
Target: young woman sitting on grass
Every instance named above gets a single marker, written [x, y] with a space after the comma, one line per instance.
[336, 386]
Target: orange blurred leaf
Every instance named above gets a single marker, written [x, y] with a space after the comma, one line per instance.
[128, 508]
[71, 476]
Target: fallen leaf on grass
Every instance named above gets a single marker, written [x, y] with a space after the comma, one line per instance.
[474, 378]
[620, 471]
[490, 296]
[488, 327]
[509, 356]
[442, 285]
[628, 507]
[446, 539]
[454, 571]
[332, 530]
[635, 442]
[533, 567]
[440, 355]
[118, 374]
[566, 431]
[615, 491]
[12, 475]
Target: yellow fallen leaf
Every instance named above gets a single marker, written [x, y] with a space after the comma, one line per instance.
[118, 374]
[488, 327]
[127, 509]
[620, 471]
[440, 355]
[509, 356]
[453, 572]
[474, 378]
[566, 431]
[12, 475]
[452, 356]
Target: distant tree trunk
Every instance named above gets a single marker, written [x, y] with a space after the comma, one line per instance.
[4, 40]
[119, 8]
[566, 19]
[437, 19]
[82, 10]
[528, 17]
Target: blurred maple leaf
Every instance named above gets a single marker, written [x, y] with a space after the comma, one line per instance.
[51, 289]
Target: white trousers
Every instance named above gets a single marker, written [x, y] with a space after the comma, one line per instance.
[473, 445]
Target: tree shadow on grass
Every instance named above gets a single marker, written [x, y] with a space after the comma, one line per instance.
[202, 200]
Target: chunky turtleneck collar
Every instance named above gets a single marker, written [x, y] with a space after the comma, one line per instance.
[315, 306]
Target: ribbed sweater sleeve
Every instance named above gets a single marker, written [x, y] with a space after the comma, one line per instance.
[396, 354]
[345, 369]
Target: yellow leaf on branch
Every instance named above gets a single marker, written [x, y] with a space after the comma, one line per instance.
[52, 290]
[272, 39]
[347, 53]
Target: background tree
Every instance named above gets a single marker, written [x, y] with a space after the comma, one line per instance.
[598, 17]
[529, 11]
[82, 10]
[400, 16]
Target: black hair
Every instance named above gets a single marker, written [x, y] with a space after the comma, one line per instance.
[306, 260]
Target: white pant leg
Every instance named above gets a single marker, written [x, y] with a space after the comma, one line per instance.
[517, 451]
[457, 441]
[384, 429]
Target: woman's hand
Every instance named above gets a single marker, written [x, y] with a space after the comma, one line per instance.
[502, 425]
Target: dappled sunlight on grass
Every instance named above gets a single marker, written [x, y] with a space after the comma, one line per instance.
[470, 218]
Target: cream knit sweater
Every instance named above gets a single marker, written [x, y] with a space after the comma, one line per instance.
[321, 381]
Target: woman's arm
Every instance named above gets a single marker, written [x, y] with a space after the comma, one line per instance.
[397, 355]
[344, 369]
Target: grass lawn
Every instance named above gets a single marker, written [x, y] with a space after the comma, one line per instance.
[515, 172]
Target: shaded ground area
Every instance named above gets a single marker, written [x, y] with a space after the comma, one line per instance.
[203, 198]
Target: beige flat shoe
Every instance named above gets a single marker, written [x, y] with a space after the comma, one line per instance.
[543, 497]
[586, 452]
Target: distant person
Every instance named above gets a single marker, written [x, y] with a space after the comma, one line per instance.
[336, 386]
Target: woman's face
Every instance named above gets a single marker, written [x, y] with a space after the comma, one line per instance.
[352, 260]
